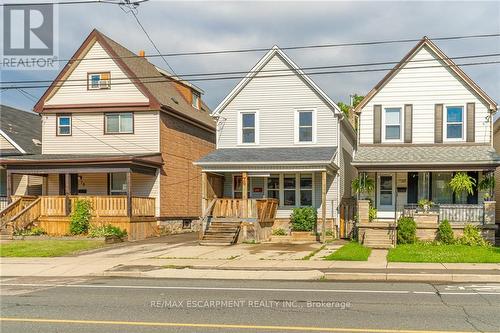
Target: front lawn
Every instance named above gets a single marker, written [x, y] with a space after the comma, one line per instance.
[46, 248]
[444, 253]
[352, 251]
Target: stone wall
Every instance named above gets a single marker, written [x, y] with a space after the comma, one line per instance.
[170, 227]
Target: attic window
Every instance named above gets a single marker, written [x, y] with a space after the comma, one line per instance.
[97, 81]
[196, 100]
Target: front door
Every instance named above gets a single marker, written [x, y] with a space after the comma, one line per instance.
[385, 196]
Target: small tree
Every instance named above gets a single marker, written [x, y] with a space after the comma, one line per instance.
[407, 230]
[363, 184]
[303, 218]
[80, 217]
[462, 183]
[445, 233]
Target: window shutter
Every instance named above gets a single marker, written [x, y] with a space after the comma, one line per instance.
[471, 124]
[408, 122]
[377, 123]
[438, 123]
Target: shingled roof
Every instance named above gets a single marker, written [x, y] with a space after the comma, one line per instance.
[158, 86]
[22, 128]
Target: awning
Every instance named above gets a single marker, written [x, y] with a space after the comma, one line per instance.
[270, 159]
[83, 163]
[429, 157]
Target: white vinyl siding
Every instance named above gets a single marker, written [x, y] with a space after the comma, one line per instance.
[423, 88]
[74, 90]
[88, 135]
[277, 100]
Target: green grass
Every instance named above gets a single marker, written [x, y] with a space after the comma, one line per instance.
[444, 253]
[352, 251]
[46, 248]
[313, 253]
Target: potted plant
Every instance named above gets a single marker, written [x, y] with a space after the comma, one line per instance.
[462, 183]
[363, 185]
[425, 204]
[487, 183]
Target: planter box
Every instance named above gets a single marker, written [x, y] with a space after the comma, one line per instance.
[281, 239]
[304, 236]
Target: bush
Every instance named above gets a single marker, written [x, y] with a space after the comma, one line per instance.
[472, 237]
[35, 231]
[303, 218]
[80, 218]
[407, 230]
[372, 213]
[445, 233]
[107, 230]
[279, 232]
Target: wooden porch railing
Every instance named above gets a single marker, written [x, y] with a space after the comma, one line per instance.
[264, 210]
[27, 216]
[454, 213]
[143, 206]
[14, 208]
[53, 206]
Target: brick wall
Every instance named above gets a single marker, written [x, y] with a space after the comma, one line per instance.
[182, 143]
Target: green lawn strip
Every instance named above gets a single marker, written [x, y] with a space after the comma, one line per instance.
[444, 253]
[46, 248]
[352, 251]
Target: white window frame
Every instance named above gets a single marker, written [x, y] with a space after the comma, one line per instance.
[297, 188]
[58, 127]
[297, 123]
[240, 127]
[401, 123]
[119, 114]
[195, 102]
[445, 123]
[103, 84]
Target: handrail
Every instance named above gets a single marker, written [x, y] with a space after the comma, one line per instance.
[4, 219]
[204, 217]
[27, 215]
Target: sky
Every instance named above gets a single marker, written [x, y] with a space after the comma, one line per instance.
[178, 26]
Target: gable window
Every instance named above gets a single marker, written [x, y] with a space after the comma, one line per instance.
[64, 125]
[249, 131]
[304, 126]
[392, 124]
[196, 100]
[98, 81]
[119, 123]
[118, 183]
[454, 128]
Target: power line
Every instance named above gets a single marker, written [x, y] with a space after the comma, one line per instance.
[78, 2]
[166, 79]
[271, 70]
[297, 47]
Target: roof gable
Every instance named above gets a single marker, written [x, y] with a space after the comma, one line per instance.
[21, 129]
[439, 56]
[256, 71]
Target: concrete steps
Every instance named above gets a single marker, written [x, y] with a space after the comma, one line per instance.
[221, 231]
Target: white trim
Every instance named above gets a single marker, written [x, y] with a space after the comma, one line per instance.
[296, 126]
[389, 210]
[401, 123]
[12, 142]
[256, 69]
[70, 116]
[240, 127]
[445, 123]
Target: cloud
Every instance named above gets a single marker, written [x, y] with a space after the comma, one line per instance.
[197, 26]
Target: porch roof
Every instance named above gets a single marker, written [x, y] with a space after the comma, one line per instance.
[81, 163]
[457, 156]
[269, 158]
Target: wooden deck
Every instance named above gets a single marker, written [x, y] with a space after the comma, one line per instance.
[53, 214]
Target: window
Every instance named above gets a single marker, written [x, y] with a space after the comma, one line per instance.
[441, 192]
[238, 187]
[454, 122]
[98, 81]
[392, 124]
[196, 100]
[385, 191]
[305, 126]
[3, 182]
[306, 189]
[119, 123]
[63, 125]
[273, 187]
[289, 186]
[118, 183]
[248, 127]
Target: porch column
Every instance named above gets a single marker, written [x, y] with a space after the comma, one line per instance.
[67, 192]
[129, 194]
[323, 206]
[9, 186]
[244, 185]
[204, 194]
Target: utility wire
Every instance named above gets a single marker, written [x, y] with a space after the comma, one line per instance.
[166, 79]
[297, 47]
[79, 2]
[270, 70]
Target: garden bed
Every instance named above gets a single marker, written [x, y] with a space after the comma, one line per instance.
[422, 252]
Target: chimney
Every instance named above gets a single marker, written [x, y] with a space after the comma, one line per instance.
[142, 53]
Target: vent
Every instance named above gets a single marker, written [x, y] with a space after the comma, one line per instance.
[36, 142]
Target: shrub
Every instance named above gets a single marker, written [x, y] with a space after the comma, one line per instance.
[407, 230]
[279, 232]
[303, 218]
[472, 237]
[107, 230]
[80, 218]
[34, 231]
[372, 213]
[445, 233]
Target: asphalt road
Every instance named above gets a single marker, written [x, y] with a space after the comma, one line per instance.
[147, 305]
